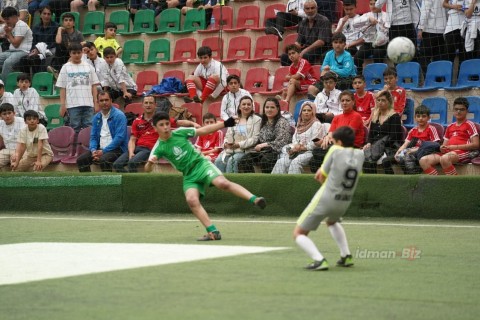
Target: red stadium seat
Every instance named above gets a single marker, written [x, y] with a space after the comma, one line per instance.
[216, 44]
[135, 107]
[239, 48]
[146, 78]
[256, 80]
[83, 143]
[61, 142]
[279, 82]
[215, 108]
[270, 11]
[196, 109]
[185, 49]
[223, 16]
[235, 71]
[179, 74]
[248, 17]
[266, 48]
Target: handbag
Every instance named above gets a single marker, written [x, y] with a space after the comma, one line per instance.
[376, 150]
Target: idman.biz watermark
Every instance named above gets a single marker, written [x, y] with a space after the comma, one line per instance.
[407, 253]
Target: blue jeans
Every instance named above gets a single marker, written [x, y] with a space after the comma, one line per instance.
[8, 60]
[80, 117]
[231, 165]
[34, 5]
[140, 157]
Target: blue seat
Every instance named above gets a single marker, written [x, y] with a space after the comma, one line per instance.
[409, 112]
[438, 76]
[296, 112]
[474, 108]
[468, 75]
[408, 74]
[438, 109]
[373, 74]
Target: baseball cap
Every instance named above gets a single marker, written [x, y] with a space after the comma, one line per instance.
[2, 84]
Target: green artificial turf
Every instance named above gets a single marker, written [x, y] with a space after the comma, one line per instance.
[441, 283]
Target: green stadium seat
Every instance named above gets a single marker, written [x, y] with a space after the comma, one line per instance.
[143, 22]
[169, 20]
[194, 20]
[55, 120]
[133, 51]
[94, 23]
[158, 51]
[122, 19]
[11, 82]
[43, 82]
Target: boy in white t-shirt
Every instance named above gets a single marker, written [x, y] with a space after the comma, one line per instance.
[33, 140]
[78, 85]
[10, 127]
[27, 98]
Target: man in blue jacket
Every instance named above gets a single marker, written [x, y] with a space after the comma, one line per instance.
[108, 138]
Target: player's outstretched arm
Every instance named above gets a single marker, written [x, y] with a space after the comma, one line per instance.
[149, 165]
[230, 122]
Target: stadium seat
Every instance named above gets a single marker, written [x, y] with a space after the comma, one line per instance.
[239, 48]
[83, 144]
[235, 71]
[440, 129]
[122, 19]
[473, 109]
[468, 75]
[216, 44]
[169, 20]
[316, 73]
[43, 82]
[409, 113]
[146, 78]
[279, 82]
[284, 106]
[55, 120]
[270, 11]
[438, 109]
[185, 49]
[194, 20]
[256, 80]
[215, 109]
[266, 48]
[223, 16]
[373, 74]
[404, 132]
[179, 74]
[296, 112]
[288, 40]
[135, 107]
[61, 142]
[133, 51]
[196, 109]
[94, 23]
[77, 19]
[143, 22]
[408, 75]
[158, 51]
[248, 17]
[115, 3]
[11, 82]
[439, 75]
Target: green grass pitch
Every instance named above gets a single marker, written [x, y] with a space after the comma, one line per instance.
[440, 283]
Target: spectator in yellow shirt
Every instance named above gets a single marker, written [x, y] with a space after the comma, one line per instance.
[109, 40]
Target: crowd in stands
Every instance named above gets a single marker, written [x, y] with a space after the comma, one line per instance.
[91, 76]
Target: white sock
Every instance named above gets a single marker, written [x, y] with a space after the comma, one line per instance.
[307, 245]
[338, 234]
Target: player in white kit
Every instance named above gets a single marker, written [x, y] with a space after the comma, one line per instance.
[338, 175]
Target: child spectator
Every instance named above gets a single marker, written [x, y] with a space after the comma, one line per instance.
[346, 26]
[26, 98]
[405, 155]
[338, 176]
[33, 139]
[399, 94]
[338, 61]
[327, 101]
[460, 142]
[300, 75]
[66, 35]
[10, 127]
[231, 101]
[109, 40]
[78, 85]
[374, 28]
[210, 145]
[364, 100]
[210, 77]
[5, 97]
[90, 56]
[117, 80]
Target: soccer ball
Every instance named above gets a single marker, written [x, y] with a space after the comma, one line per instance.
[400, 49]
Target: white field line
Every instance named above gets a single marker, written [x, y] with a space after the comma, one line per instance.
[385, 224]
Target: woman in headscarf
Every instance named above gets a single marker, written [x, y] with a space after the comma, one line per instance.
[298, 154]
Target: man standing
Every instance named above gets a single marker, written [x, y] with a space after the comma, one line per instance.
[314, 35]
[108, 138]
[20, 37]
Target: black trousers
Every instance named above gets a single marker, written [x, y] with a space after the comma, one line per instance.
[432, 48]
[366, 51]
[282, 20]
[106, 160]
[266, 161]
